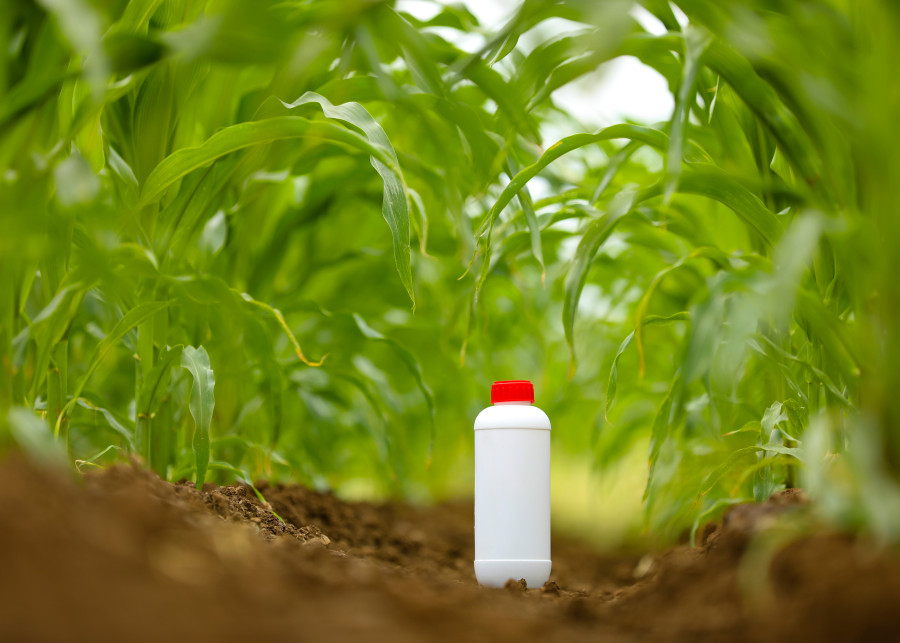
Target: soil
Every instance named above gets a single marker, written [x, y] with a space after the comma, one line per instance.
[121, 555]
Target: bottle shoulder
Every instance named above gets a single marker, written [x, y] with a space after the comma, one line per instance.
[512, 416]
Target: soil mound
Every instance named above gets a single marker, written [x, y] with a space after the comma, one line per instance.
[122, 555]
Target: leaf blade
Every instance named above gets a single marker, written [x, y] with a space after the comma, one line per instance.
[202, 404]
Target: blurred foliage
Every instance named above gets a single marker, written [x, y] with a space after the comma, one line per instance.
[233, 234]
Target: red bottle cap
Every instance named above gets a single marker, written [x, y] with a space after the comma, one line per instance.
[512, 391]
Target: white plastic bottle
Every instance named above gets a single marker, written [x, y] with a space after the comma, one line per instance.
[512, 488]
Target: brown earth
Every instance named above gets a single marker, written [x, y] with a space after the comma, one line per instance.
[124, 556]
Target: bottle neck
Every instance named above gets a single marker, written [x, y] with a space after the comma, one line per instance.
[523, 403]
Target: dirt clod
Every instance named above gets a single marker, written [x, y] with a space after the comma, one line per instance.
[515, 586]
[550, 587]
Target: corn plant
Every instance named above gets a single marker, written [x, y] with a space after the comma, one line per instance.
[299, 239]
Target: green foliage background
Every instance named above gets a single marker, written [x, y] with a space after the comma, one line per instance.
[232, 236]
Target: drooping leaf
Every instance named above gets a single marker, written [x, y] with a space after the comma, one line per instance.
[395, 207]
[412, 366]
[242, 135]
[711, 182]
[594, 236]
[612, 383]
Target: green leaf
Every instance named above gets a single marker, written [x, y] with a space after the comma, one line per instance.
[696, 42]
[121, 425]
[820, 375]
[419, 59]
[777, 448]
[715, 255]
[534, 229]
[613, 371]
[132, 319]
[32, 435]
[155, 381]
[764, 102]
[274, 312]
[92, 461]
[663, 12]
[666, 418]
[712, 479]
[614, 374]
[237, 137]
[709, 513]
[634, 132]
[736, 456]
[594, 237]
[620, 158]
[411, 365]
[48, 328]
[203, 401]
[714, 183]
[509, 102]
[395, 205]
